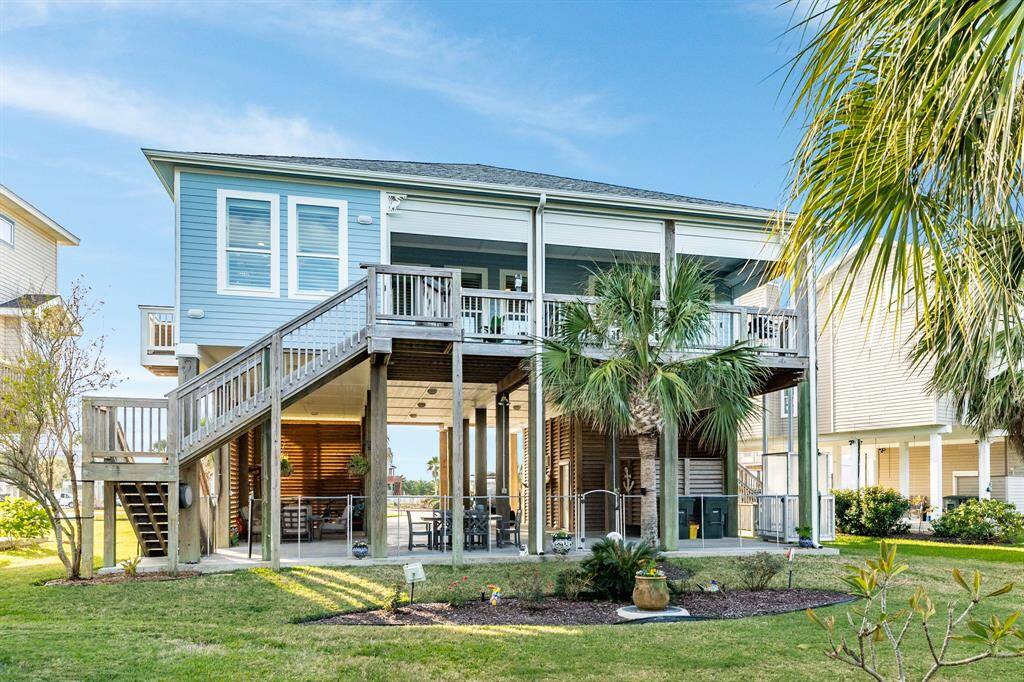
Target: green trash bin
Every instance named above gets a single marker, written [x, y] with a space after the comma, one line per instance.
[687, 514]
[713, 518]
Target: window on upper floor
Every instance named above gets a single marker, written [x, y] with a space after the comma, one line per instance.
[6, 231]
[317, 247]
[248, 239]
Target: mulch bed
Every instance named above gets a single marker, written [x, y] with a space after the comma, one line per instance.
[551, 611]
[746, 603]
[731, 604]
[118, 578]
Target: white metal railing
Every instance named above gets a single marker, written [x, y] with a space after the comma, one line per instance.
[778, 516]
[827, 517]
[156, 336]
[496, 315]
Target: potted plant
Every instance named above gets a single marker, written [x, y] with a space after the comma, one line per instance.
[650, 592]
[360, 549]
[805, 534]
[561, 542]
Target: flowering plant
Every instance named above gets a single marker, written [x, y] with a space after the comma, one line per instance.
[651, 570]
[459, 592]
[561, 535]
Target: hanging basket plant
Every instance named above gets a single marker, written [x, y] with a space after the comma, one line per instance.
[359, 465]
[286, 468]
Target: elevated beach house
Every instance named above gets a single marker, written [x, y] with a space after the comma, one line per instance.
[317, 301]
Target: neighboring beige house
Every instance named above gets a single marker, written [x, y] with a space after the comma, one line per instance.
[877, 423]
[29, 240]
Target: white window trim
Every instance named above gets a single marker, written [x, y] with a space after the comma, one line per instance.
[222, 241]
[14, 228]
[505, 272]
[964, 474]
[293, 246]
[472, 268]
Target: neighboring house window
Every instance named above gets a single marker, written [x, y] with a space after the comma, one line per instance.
[6, 231]
[248, 243]
[317, 247]
[788, 398]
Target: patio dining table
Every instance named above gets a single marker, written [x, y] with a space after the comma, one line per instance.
[473, 535]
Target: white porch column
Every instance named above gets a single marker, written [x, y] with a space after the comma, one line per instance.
[855, 450]
[905, 469]
[935, 473]
[985, 469]
[535, 452]
[871, 472]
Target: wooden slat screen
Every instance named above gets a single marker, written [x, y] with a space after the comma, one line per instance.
[319, 454]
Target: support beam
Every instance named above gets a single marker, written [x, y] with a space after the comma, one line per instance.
[985, 469]
[611, 479]
[501, 454]
[378, 503]
[807, 456]
[480, 453]
[467, 462]
[88, 502]
[535, 453]
[457, 437]
[265, 513]
[669, 481]
[109, 524]
[275, 453]
[935, 473]
[668, 255]
[190, 547]
[904, 476]
[732, 487]
[222, 533]
[443, 477]
[514, 487]
[856, 454]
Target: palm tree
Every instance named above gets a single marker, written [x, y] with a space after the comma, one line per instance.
[434, 467]
[912, 147]
[636, 381]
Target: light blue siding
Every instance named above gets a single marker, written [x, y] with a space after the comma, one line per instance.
[238, 320]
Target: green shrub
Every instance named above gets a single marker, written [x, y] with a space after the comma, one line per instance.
[528, 585]
[612, 566]
[23, 519]
[758, 570]
[981, 521]
[131, 566]
[572, 583]
[874, 511]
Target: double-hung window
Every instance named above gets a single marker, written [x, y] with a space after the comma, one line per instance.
[248, 243]
[317, 247]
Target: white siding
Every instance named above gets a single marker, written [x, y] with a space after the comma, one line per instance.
[874, 385]
[603, 232]
[451, 219]
[31, 266]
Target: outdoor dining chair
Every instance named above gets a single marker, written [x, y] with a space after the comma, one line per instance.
[507, 530]
[420, 529]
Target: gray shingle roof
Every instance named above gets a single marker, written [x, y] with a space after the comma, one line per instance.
[475, 172]
[28, 301]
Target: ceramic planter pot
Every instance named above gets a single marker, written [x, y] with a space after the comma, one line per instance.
[651, 593]
[561, 545]
[360, 552]
[806, 543]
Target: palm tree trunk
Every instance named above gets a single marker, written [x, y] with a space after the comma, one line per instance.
[648, 446]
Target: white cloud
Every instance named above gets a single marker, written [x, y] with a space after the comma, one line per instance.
[112, 107]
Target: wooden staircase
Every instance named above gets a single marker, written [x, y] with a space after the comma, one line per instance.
[145, 503]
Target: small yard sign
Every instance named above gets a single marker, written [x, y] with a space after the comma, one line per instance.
[414, 573]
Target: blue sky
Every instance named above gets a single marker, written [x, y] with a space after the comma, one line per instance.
[681, 97]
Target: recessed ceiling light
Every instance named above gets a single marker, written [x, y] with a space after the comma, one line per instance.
[412, 414]
[421, 405]
[431, 391]
[516, 407]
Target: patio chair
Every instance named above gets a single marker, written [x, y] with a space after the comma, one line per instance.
[297, 522]
[507, 531]
[423, 528]
[334, 520]
[476, 531]
[253, 527]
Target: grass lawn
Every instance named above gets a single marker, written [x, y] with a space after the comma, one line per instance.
[242, 625]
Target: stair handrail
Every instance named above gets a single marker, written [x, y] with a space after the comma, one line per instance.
[263, 342]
